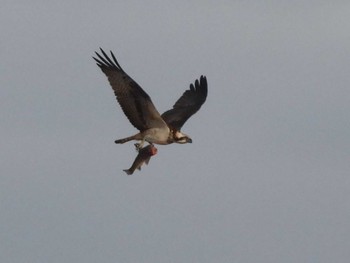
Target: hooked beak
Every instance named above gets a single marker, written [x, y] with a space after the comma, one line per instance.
[189, 140]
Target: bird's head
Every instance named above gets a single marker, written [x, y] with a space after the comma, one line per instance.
[181, 138]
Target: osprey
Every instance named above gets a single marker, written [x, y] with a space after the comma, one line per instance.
[143, 115]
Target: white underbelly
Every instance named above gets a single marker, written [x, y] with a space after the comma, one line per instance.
[157, 135]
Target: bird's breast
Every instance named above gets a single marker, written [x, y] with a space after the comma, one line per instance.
[157, 135]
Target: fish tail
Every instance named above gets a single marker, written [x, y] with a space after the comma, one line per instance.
[128, 172]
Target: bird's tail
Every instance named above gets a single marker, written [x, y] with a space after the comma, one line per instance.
[124, 140]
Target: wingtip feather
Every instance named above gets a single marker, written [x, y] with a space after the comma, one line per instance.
[105, 61]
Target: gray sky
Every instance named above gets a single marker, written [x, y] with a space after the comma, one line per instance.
[266, 178]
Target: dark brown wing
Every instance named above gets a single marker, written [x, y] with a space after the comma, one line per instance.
[188, 104]
[134, 101]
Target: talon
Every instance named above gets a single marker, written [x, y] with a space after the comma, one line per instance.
[137, 146]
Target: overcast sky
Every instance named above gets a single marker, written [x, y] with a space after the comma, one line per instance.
[266, 178]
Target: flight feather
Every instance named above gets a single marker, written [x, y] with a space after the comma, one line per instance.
[188, 104]
[134, 101]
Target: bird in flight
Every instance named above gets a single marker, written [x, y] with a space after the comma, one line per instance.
[138, 107]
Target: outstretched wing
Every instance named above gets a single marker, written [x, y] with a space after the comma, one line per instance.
[188, 104]
[134, 101]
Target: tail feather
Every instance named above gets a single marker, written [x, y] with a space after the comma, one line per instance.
[124, 140]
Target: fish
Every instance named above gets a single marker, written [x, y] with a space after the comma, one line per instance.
[143, 156]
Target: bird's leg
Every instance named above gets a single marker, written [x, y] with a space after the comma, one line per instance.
[139, 145]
